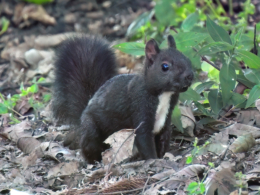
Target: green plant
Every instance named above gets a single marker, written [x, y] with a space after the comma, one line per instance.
[39, 1]
[9, 102]
[198, 187]
[5, 23]
[213, 42]
[195, 151]
[241, 181]
[179, 13]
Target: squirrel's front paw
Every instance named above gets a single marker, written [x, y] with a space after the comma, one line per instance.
[72, 140]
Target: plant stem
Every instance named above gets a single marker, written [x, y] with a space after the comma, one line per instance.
[212, 9]
[230, 4]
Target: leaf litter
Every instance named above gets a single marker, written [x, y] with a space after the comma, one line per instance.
[33, 159]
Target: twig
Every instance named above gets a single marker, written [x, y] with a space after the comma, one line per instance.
[112, 161]
[206, 60]
[209, 62]
[146, 184]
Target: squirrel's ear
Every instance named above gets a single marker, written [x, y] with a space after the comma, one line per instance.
[151, 50]
[171, 41]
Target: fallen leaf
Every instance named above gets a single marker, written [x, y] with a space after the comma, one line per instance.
[122, 145]
[223, 180]
[243, 143]
[27, 144]
[38, 13]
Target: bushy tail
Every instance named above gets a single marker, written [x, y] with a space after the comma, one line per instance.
[83, 64]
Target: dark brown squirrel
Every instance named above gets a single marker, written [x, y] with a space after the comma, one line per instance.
[90, 95]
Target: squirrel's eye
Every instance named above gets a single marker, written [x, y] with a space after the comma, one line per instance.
[165, 67]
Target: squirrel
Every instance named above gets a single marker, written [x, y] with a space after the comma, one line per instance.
[89, 94]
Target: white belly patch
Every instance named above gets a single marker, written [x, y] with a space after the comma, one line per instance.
[162, 111]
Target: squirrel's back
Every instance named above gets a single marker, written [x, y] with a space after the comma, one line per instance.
[83, 64]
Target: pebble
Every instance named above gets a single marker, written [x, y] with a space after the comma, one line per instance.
[95, 15]
[70, 18]
[106, 4]
[33, 57]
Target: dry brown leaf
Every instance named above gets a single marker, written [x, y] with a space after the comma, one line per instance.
[243, 143]
[17, 131]
[223, 180]
[125, 60]
[234, 193]
[242, 129]
[38, 13]
[44, 41]
[31, 158]
[62, 170]
[191, 170]
[27, 144]
[180, 178]
[53, 149]
[122, 144]
[248, 116]
[217, 143]
[187, 120]
[22, 106]
[164, 174]
[257, 104]
[17, 18]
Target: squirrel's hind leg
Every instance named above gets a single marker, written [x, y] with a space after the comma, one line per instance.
[91, 143]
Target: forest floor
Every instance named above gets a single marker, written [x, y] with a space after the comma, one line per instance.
[32, 157]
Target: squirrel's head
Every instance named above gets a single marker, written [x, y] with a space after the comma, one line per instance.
[167, 69]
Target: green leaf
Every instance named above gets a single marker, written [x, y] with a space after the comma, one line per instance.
[202, 109]
[189, 39]
[38, 1]
[195, 59]
[237, 37]
[251, 60]
[227, 77]
[237, 100]
[189, 160]
[41, 80]
[202, 188]
[33, 88]
[5, 23]
[164, 12]
[253, 75]
[24, 93]
[253, 95]
[215, 101]
[213, 73]
[211, 164]
[190, 21]
[132, 48]
[242, 79]
[215, 47]
[217, 33]
[46, 97]
[3, 109]
[246, 43]
[190, 94]
[193, 186]
[139, 22]
[201, 87]
[176, 118]
[186, 40]
[21, 87]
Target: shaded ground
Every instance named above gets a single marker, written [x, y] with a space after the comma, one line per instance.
[32, 158]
